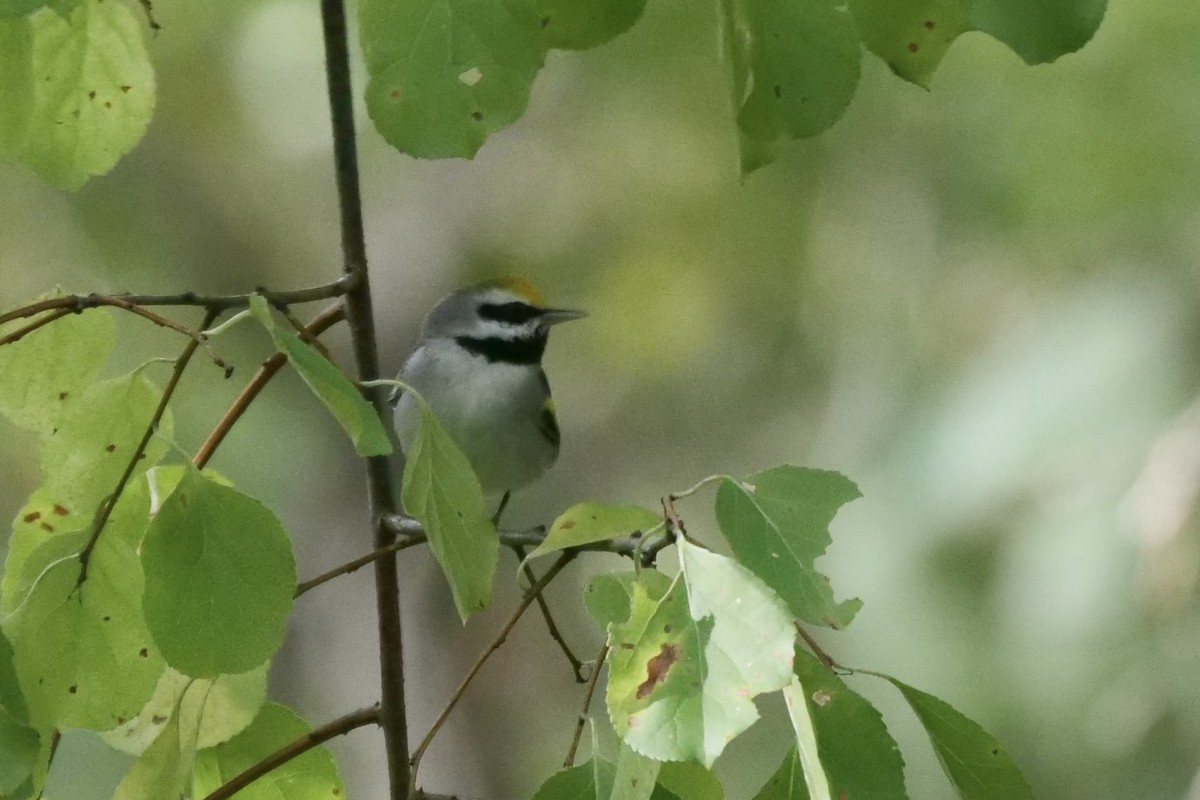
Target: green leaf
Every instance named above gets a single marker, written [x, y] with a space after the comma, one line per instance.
[220, 576]
[777, 524]
[858, 754]
[690, 781]
[82, 89]
[46, 370]
[311, 776]
[83, 656]
[330, 385]
[788, 781]
[214, 710]
[83, 461]
[800, 59]
[11, 698]
[19, 746]
[693, 654]
[163, 770]
[635, 776]
[580, 24]
[584, 523]
[816, 782]
[445, 74]
[19, 8]
[589, 781]
[442, 491]
[972, 759]
[609, 597]
[913, 37]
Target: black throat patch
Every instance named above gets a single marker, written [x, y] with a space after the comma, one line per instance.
[526, 350]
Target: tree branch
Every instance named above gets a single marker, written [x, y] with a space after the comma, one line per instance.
[110, 503]
[551, 627]
[358, 563]
[20, 333]
[569, 761]
[272, 365]
[526, 601]
[339, 727]
[360, 317]
[80, 302]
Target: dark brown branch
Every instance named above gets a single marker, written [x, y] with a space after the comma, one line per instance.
[361, 320]
[551, 627]
[569, 761]
[526, 601]
[817, 650]
[20, 333]
[339, 727]
[107, 506]
[359, 563]
[80, 302]
[272, 365]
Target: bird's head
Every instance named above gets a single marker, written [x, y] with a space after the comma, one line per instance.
[502, 309]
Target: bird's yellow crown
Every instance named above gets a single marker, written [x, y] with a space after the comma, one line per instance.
[518, 286]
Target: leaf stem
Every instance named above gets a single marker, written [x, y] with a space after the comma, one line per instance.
[339, 727]
[526, 601]
[106, 508]
[361, 321]
[819, 652]
[569, 761]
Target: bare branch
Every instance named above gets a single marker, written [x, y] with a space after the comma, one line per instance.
[551, 627]
[569, 761]
[358, 563]
[339, 727]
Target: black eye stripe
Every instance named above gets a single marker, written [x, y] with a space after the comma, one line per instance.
[515, 312]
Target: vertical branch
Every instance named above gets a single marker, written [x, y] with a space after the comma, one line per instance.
[359, 315]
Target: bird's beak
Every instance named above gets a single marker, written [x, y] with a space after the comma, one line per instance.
[553, 316]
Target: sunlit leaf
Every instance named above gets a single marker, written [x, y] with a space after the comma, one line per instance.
[220, 576]
[816, 782]
[445, 74]
[79, 89]
[83, 460]
[311, 776]
[972, 758]
[83, 656]
[343, 399]
[442, 491]
[687, 663]
[589, 781]
[584, 523]
[46, 370]
[777, 523]
[795, 66]
[164, 769]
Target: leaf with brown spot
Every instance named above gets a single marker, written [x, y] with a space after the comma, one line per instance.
[657, 667]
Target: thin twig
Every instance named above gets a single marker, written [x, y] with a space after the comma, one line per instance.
[339, 727]
[358, 563]
[526, 601]
[272, 365]
[555, 634]
[569, 761]
[20, 333]
[361, 320]
[80, 302]
[820, 653]
[110, 503]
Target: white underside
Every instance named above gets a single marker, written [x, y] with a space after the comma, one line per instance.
[492, 411]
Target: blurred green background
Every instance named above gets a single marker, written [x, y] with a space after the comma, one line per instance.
[982, 303]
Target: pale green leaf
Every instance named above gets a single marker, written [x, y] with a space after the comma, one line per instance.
[588, 781]
[584, 523]
[609, 597]
[83, 656]
[693, 654]
[85, 458]
[801, 61]
[331, 386]
[82, 89]
[220, 577]
[972, 758]
[19, 745]
[579, 24]
[777, 523]
[445, 74]
[442, 491]
[815, 779]
[311, 776]
[11, 698]
[635, 775]
[46, 370]
[163, 771]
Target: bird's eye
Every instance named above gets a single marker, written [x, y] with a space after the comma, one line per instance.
[513, 313]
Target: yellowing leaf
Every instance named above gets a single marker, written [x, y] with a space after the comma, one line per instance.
[584, 523]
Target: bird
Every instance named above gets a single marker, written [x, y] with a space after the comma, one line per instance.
[479, 367]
